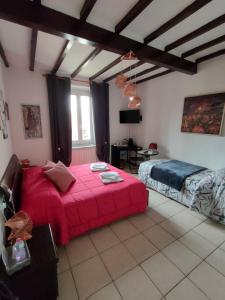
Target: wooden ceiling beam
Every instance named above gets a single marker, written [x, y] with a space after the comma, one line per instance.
[132, 14]
[25, 13]
[146, 71]
[65, 49]
[106, 68]
[3, 56]
[154, 76]
[201, 30]
[86, 61]
[33, 47]
[86, 9]
[127, 69]
[210, 56]
[185, 13]
[204, 46]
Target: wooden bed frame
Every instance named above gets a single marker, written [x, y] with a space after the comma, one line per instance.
[10, 186]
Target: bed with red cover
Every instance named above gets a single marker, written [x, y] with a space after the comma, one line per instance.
[86, 205]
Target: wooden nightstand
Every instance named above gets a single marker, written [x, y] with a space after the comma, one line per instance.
[39, 280]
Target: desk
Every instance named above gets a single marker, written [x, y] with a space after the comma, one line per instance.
[147, 153]
[129, 152]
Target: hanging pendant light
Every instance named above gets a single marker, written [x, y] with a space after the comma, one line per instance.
[129, 56]
[130, 90]
[134, 102]
[121, 81]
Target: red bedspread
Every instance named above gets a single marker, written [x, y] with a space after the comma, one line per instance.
[88, 203]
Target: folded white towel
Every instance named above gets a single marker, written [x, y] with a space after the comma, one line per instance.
[99, 167]
[110, 177]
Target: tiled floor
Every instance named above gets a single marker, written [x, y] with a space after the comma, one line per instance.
[167, 253]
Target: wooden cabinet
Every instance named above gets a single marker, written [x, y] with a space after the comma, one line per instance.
[39, 280]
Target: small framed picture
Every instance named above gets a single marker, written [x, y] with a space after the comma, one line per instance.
[32, 121]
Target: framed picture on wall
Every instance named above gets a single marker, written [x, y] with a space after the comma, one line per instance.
[203, 114]
[32, 121]
[3, 116]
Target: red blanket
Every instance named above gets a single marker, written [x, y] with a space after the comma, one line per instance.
[88, 203]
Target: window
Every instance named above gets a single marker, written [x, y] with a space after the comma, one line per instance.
[82, 119]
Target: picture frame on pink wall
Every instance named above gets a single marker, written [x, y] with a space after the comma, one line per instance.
[3, 117]
[204, 114]
[32, 121]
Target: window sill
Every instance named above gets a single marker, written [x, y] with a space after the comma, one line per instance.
[83, 146]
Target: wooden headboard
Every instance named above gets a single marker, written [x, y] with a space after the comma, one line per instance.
[11, 179]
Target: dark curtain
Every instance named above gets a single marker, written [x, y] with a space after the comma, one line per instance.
[100, 98]
[59, 91]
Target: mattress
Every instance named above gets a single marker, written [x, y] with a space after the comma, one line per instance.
[88, 204]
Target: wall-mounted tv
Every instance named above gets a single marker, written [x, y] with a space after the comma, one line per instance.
[130, 116]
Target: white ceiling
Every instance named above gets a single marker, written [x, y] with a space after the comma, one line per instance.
[105, 13]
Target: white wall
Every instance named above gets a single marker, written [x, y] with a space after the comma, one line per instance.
[162, 109]
[25, 87]
[5, 144]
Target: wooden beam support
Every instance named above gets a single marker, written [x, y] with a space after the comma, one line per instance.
[185, 13]
[25, 13]
[154, 76]
[201, 30]
[86, 9]
[204, 46]
[132, 14]
[86, 61]
[33, 46]
[106, 68]
[65, 49]
[210, 56]
[127, 69]
[3, 56]
[149, 70]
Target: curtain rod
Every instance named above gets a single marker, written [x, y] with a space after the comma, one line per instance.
[77, 80]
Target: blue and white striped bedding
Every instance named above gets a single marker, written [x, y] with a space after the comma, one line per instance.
[203, 192]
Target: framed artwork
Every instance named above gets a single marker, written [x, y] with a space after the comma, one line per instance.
[32, 121]
[203, 114]
[3, 116]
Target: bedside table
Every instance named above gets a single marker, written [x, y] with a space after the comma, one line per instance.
[39, 280]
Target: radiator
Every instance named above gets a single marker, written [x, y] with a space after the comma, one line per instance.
[83, 155]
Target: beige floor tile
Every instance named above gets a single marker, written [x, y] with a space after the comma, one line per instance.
[170, 208]
[109, 292]
[63, 263]
[162, 272]
[135, 285]
[222, 247]
[124, 229]
[80, 249]
[155, 216]
[141, 222]
[156, 199]
[140, 247]
[90, 276]
[104, 238]
[209, 281]
[196, 214]
[217, 260]
[186, 290]
[212, 231]
[118, 260]
[159, 237]
[182, 257]
[185, 220]
[197, 244]
[67, 290]
[173, 228]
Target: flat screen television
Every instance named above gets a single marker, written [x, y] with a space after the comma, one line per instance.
[130, 116]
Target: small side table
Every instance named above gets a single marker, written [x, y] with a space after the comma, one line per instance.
[39, 280]
[148, 153]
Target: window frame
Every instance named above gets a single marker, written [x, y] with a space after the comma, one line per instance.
[80, 142]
